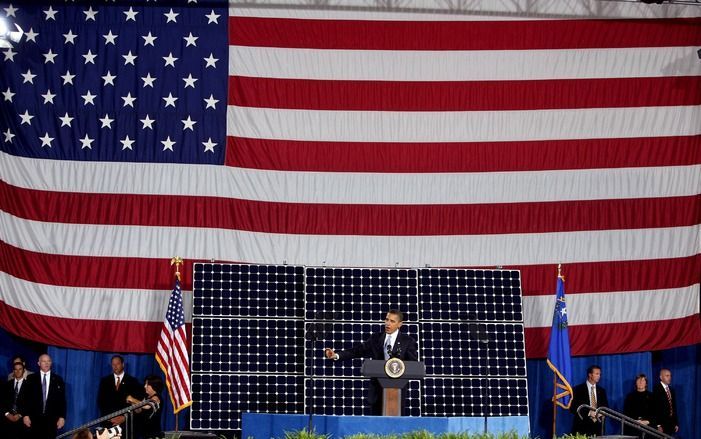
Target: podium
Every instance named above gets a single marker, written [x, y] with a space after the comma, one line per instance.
[392, 387]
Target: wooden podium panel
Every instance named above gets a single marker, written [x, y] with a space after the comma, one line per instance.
[391, 402]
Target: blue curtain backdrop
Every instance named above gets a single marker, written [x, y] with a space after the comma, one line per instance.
[82, 371]
[618, 373]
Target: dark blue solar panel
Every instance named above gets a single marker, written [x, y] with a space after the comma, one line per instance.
[219, 399]
[248, 290]
[470, 295]
[348, 396]
[456, 348]
[360, 294]
[344, 336]
[455, 396]
[507, 396]
[259, 333]
[247, 345]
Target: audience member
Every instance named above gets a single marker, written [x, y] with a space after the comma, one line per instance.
[114, 389]
[593, 395]
[11, 426]
[18, 359]
[638, 405]
[83, 433]
[147, 420]
[665, 404]
[42, 401]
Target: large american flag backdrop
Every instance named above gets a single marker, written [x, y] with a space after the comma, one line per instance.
[361, 134]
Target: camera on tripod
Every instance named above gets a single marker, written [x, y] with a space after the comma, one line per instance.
[108, 433]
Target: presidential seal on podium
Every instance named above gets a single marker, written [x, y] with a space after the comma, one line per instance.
[394, 368]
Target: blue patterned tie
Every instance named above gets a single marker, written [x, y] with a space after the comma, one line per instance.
[43, 393]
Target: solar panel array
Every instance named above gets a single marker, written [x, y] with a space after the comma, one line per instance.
[259, 332]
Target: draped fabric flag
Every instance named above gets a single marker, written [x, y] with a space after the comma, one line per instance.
[171, 352]
[559, 357]
[352, 135]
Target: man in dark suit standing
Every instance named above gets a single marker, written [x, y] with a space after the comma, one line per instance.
[114, 389]
[591, 394]
[381, 346]
[665, 404]
[12, 427]
[43, 401]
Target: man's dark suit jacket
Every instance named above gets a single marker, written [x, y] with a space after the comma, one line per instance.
[580, 395]
[43, 422]
[404, 348]
[110, 399]
[9, 430]
[660, 406]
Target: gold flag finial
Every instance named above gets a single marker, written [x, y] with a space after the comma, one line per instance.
[177, 261]
[559, 271]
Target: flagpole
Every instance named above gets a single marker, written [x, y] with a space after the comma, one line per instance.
[177, 261]
[554, 406]
[559, 358]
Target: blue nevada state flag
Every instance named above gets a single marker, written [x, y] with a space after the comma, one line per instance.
[559, 358]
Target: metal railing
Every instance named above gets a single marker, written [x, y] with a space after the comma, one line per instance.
[646, 430]
[127, 412]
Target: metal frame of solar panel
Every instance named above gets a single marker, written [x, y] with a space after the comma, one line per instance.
[259, 333]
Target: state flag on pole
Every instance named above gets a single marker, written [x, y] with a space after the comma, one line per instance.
[559, 358]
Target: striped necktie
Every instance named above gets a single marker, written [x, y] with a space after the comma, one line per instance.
[669, 400]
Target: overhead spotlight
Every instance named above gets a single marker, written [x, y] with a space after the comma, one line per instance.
[8, 36]
[659, 2]
[698, 52]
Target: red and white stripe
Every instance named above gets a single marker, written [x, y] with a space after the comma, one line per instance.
[171, 360]
[379, 138]
[172, 356]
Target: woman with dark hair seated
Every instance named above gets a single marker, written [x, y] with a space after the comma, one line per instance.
[147, 421]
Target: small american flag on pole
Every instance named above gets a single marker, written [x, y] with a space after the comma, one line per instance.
[171, 352]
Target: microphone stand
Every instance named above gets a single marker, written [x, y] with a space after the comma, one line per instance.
[486, 339]
[314, 334]
[480, 333]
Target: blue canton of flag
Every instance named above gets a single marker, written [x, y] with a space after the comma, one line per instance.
[559, 358]
[126, 81]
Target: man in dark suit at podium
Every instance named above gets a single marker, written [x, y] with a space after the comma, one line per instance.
[381, 346]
